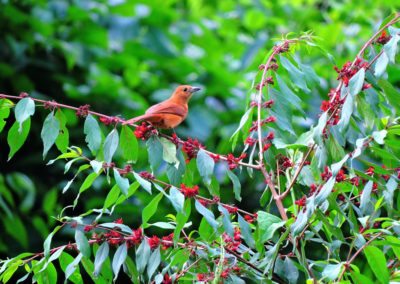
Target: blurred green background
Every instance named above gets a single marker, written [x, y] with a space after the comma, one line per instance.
[122, 56]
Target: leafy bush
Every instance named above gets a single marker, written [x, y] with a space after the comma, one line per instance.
[329, 202]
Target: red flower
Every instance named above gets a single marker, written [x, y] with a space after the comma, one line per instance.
[233, 162]
[191, 147]
[250, 141]
[340, 176]
[167, 241]
[370, 171]
[136, 237]
[355, 181]
[146, 175]
[270, 136]
[326, 174]
[107, 120]
[325, 105]
[88, 228]
[301, 202]
[286, 163]
[383, 38]
[268, 104]
[153, 242]
[230, 209]
[83, 111]
[144, 131]
[119, 221]
[250, 219]
[266, 146]
[225, 273]
[189, 192]
[215, 157]
[167, 279]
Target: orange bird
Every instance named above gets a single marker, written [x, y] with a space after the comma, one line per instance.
[169, 113]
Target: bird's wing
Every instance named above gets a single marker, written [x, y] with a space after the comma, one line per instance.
[168, 108]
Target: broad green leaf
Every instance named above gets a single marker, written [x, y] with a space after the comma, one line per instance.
[82, 243]
[296, 75]
[177, 199]
[244, 119]
[15, 138]
[50, 131]
[5, 106]
[205, 165]
[62, 141]
[155, 150]
[381, 64]
[325, 191]
[87, 183]
[110, 145]
[112, 196]
[391, 93]
[377, 261]
[331, 271]
[237, 187]
[175, 173]
[182, 218]
[65, 259]
[379, 136]
[101, 256]
[207, 214]
[123, 183]
[142, 256]
[92, 131]
[70, 269]
[268, 224]
[128, 144]
[226, 220]
[391, 47]
[47, 242]
[122, 227]
[169, 151]
[366, 196]
[356, 82]
[289, 95]
[360, 278]
[119, 259]
[154, 262]
[245, 231]
[151, 209]
[144, 183]
[24, 109]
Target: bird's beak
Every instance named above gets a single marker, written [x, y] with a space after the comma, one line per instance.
[195, 89]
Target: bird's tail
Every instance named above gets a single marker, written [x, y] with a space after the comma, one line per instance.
[134, 120]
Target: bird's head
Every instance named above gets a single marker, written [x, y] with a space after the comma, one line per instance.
[185, 92]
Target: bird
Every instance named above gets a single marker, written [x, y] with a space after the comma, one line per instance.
[169, 113]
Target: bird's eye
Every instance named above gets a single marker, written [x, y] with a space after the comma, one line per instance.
[185, 89]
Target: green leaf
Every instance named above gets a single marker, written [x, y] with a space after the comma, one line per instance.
[207, 214]
[248, 114]
[128, 144]
[65, 259]
[205, 165]
[325, 191]
[82, 243]
[360, 278]
[93, 134]
[142, 256]
[237, 187]
[154, 262]
[268, 224]
[175, 173]
[381, 64]
[169, 151]
[101, 256]
[347, 111]
[155, 151]
[182, 218]
[379, 136]
[119, 259]
[288, 94]
[365, 199]
[110, 145]
[296, 75]
[23, 110]
[245, 230]
[50, 131]
[70, 269]
[391, 93]
[226, 220]
[47, 242]
[391, 47]
[122, 227]
[123, 183]
[356, 82]
[87, 183]
[177, 199]
[62, 141]
[5, 106]
[377, 261]
[15, 138]
[112, 196]
[144, 183]
[331, 271]
[151, 209]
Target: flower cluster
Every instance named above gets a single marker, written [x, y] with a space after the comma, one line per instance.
[349, 70]
[267, 81]
[267, 104]
[147, 175]
[144, 131]
[286, 163]
[251, 219]
[301, 202]
[205, 277]
[326, 174]
[189, 192]
[232, 243]
[154, 242]
[269, 119]
[83, 111]
[383, 38]
[107, 120]
[233, 162]
[50, 105]
[191, 147]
